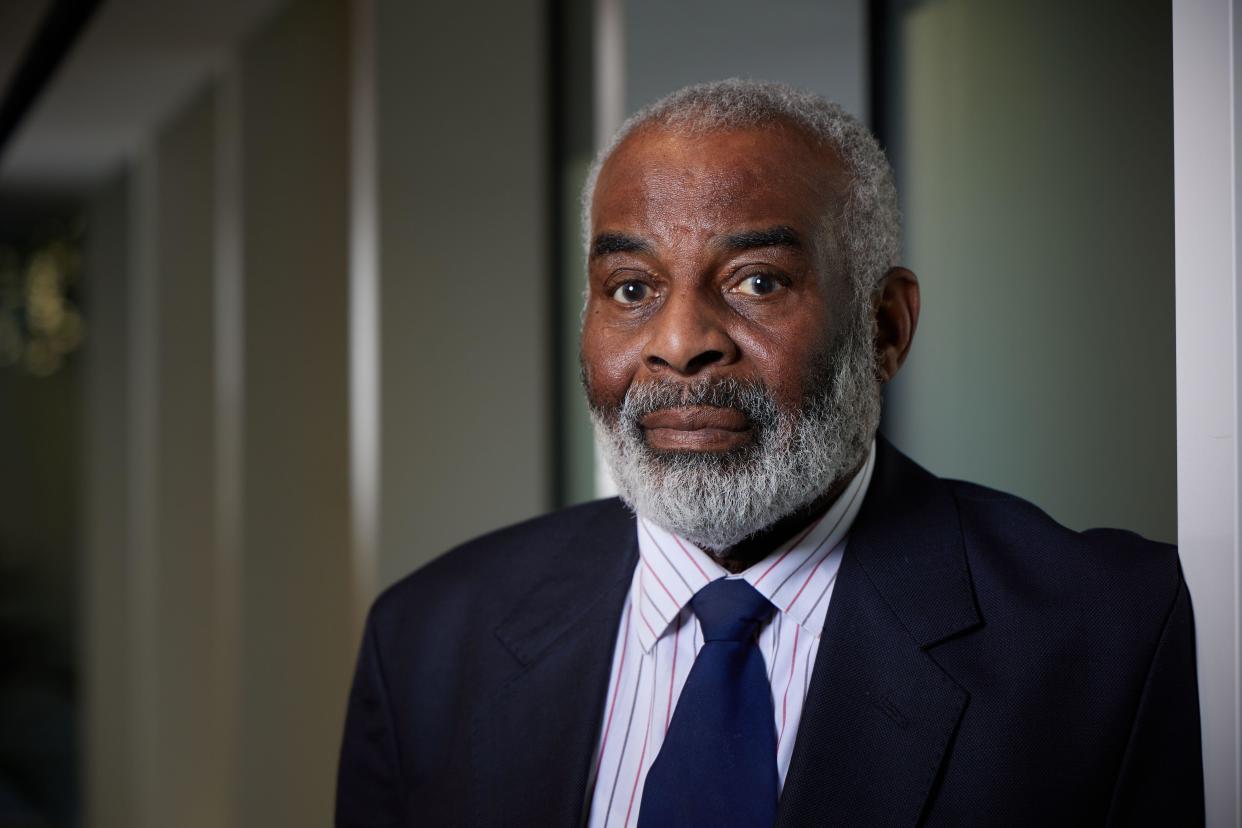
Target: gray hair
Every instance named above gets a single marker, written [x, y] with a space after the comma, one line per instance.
[870, 221]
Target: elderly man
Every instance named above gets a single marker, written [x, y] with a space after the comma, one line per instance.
[783, 619]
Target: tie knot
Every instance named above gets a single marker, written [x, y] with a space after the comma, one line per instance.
[730, 610]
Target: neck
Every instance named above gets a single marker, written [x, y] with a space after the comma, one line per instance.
[755, 548]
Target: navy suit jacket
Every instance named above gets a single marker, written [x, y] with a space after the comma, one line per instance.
[980, 666]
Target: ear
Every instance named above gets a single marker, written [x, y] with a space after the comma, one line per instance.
[896, 304]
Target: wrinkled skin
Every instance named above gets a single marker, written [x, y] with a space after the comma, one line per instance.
[715, 255]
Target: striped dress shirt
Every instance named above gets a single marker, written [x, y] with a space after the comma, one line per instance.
[659, 637]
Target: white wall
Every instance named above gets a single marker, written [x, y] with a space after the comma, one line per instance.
[1207, 69]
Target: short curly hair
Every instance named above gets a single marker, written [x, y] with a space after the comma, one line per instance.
[870, 228]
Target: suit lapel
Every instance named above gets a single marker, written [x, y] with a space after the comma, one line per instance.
[880, 713]
[533, 745]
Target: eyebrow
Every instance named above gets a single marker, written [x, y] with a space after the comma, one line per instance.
[606, 243]
[779, 235]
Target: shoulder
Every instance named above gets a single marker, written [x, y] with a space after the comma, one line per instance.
[1014, 545]
[495, 569]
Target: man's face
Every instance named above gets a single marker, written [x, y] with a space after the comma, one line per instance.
[711, 256]
[730, 372]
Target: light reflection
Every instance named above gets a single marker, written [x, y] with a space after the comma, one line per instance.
[40, 325]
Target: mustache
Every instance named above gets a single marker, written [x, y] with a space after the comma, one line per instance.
[751, 397]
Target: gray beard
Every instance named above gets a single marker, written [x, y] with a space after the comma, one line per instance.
[718, 499]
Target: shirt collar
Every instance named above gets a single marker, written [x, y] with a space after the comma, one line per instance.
[796, 577]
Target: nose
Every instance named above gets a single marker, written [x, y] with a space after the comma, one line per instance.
[688, 336]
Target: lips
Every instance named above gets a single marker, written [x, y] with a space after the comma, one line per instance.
[697, 418]
[696, 428]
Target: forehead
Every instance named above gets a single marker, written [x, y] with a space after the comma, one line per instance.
[669, 182]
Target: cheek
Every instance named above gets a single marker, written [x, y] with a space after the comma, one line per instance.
[609, 363]
[788, 358]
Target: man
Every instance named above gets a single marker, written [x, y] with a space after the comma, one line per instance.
[783, 620]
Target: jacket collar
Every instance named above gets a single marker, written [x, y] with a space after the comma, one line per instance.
[533, 743]
[880, 713]
[908, 540]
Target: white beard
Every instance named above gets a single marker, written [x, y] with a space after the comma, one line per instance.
[717, 500]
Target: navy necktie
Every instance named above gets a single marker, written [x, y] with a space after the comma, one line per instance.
[717, 766]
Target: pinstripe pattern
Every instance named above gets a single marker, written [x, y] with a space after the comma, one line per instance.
[659, 638]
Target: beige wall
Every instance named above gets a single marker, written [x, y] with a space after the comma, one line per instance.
[158, 737]
[224, 579]
[465, 288]
[189, 760]
[296, 633]
[217, 665]
[108, 748]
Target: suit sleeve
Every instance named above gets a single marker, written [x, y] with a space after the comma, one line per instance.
[368, 783]
[1161, 776]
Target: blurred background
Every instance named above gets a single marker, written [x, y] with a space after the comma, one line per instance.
[289, 297]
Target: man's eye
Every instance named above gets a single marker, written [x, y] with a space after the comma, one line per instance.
[631, 292]
[760, 284]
